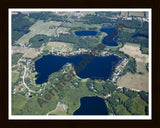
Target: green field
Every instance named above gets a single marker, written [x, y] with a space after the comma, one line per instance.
[30, 106]
[15, 76]
[16, 57]
[18, 102]
[72, 96]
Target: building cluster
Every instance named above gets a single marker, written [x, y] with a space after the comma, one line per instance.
[118, 69]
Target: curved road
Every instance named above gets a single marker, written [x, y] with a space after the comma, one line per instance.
[25, 83]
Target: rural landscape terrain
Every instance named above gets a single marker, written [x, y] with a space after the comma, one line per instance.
[37, 36]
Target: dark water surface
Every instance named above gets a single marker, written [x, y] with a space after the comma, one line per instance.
[109, 29]
[86, 33]
[92, 106]
[135, 36]
[97, 68]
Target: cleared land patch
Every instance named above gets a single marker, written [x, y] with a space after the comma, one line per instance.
[16, 49]
[61, 109]
[137, 14]
[134, 51]
[15, 76]
[32, 53]
[60, 46]
[135, 81]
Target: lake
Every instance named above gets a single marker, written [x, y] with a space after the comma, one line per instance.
[139, 36]
[109, 30]
[105, 28]
[86, 33]
[97, 68]
[92, 106]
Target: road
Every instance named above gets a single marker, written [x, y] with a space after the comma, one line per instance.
[26, 84]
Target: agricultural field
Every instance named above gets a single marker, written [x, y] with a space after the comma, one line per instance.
[125, 13]
[141, 14]
[17, 49]
[59, 46]
[138, 81]
[134, 51]
[77, 24]
[31, 53]
[134, 81]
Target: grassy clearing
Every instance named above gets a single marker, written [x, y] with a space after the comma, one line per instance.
[32, 107]
[134, 51]
[18, 101]
[15, 76]
[59, 46]
[134, 81]
[77, 24]
[58, 112]
[137, 14]
[129, 30]
[123, 97]
[32, 53]
[16, 57]
[47, 48]
[16, 49]
[136, 106]
[61, 109]
[73, 95]
[121, 110]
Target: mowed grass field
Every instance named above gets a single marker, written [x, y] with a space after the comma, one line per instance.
[135, 81]
[31, 53]
[59, 46]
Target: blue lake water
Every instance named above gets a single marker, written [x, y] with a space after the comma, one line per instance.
[97, 68]
[135, 36]
[92, 106]
[86, 33]
[41, 40]
[109, 29]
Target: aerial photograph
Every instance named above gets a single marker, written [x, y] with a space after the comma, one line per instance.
[77, 62]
